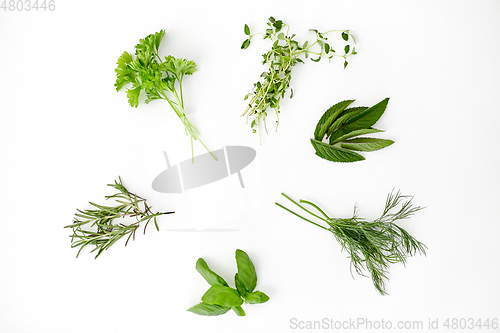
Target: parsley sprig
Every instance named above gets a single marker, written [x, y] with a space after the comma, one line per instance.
[285, 53]
[372, 245]
[157, 78]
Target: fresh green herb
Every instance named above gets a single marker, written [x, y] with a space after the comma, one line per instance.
[221, 298]
[342, 128]
[372, 246]
[285, 53]
[157, 78]
[105, 233]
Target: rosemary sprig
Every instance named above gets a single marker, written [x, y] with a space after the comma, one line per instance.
[105, 233]
[372, 246]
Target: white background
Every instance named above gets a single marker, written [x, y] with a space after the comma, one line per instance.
[65, 133]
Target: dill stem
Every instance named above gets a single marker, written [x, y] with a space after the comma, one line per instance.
[302, 217]
[319, 217]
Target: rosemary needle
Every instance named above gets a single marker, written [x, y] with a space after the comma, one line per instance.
[372, 246]
[105, 233]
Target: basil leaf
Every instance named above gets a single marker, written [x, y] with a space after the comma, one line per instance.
[256, 297]
[210, 276]
[246, 271]
[206, 309]
[239, 311]
[239, 286]
[222, 295]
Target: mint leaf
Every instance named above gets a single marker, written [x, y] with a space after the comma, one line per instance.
[354, 133]
[206, 309]
[326, 120]
[366, 144]
[343, 118]
[335, 154]
[368, 117]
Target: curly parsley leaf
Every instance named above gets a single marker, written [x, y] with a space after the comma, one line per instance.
[157, 79]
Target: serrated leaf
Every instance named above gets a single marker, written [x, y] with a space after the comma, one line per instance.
[158, 38]
[246, 271]
[133, 96]
[256, 297]
[366, 144]
[210, 276]
[342, 119]
[247, 30]
[368, 117]
[222, 295]
[354, 133]
[205, 309]
[124, 74]
[328, 117]
[335, 154]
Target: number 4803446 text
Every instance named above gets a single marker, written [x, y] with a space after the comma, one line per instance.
[28, 5]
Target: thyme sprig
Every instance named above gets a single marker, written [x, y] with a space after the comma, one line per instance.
[374, 245]
[285, 53]
[105, 232]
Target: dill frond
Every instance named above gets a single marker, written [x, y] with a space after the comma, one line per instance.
[372, 245]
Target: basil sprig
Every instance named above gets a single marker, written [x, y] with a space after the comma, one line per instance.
[220, 297]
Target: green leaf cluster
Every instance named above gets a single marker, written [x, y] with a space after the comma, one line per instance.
[221, 298]
[100, 229]
[372, 245]
[342, 127]
[157, 78]
[285, 53]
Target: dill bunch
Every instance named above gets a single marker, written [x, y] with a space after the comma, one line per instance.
[105, 232]
[372, 245]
